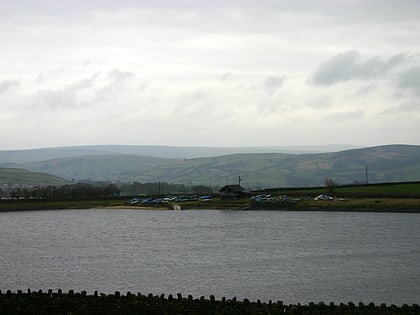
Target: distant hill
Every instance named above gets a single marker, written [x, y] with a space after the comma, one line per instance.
[172, 152]
[388, 163]
[17, 176]
[109, 167]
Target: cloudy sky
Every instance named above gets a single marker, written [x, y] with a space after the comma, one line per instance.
[209, 73]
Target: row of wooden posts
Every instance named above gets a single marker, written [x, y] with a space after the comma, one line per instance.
[50, 302]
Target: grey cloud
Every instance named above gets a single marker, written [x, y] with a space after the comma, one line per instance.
[66, 97]
[194, 97]
[142, 87]
[40, 78]
[339, 68]
[412, 106]
[273, 106]
[50, 76]
[365, 90]
[321, 102]
[115, 81]
[410, 80]
[225, 76]
[405, 107]
[364, 8]
[8, 85]
[59, 98]
[350, 65]
[227, 16]
[343, 116]
[83, 84]
[273, 83]
[193, 104]
[118, 75]
[396, 60]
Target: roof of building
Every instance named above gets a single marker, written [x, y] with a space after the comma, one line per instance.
[232, 189]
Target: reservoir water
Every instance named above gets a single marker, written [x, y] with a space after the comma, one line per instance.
[289, 256]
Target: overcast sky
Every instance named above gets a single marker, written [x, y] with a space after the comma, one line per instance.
[209, 73]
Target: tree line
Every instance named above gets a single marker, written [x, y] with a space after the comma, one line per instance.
[102, 190]
[163, 188]
[72, 191]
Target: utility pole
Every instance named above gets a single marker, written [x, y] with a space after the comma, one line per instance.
[366, 174]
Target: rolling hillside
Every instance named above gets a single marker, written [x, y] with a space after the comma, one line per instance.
[172, 152]
[17, 176]
[389, 163]
[106, 167]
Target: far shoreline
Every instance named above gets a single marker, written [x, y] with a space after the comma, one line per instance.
[389, 205]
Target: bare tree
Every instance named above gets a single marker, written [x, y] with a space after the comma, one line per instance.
[330, 184]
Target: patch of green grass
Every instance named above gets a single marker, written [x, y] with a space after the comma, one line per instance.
[21, 176]
[12, 205]
[401, 188]
[216, 203]
[409, 189]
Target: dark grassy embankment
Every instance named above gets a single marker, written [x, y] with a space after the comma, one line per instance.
[387, 197]
[357, 204]
[82, 303]
[384, 197]
[40, 204]
[381, 190]
[350, 205]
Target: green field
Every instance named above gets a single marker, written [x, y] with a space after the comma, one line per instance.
[390, 190]
[16, 205]
[20, 176]
[398, 197]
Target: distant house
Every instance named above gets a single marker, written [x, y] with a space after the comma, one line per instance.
[233, 192]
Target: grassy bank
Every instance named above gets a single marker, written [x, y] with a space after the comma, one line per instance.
[217, 204]
[14, 205]
[384, 197]
[357, 204]
[82, 303]
[354, 204]
[380, 190]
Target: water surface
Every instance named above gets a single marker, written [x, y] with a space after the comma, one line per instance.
[289, 256]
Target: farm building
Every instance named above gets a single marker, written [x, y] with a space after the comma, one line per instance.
[233, 192]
